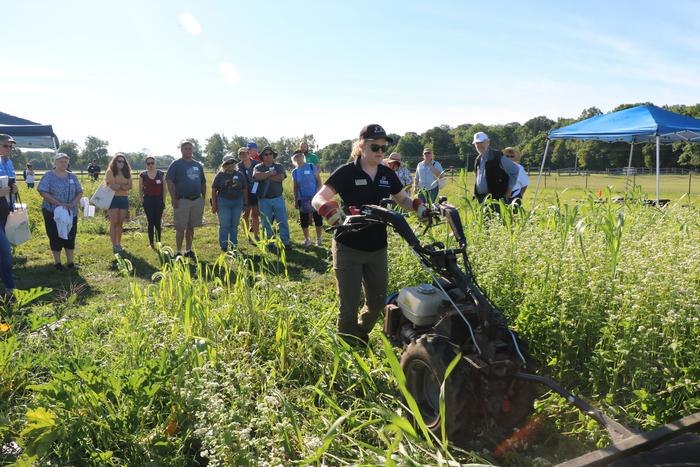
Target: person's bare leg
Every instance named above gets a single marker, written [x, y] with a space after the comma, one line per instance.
[189, 235]
[179, 236]
[56, 257]
[69, 256]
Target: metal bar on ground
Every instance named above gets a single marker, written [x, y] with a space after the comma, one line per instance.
[636, 443]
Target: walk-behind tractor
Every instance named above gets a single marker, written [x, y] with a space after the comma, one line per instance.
[457, 348]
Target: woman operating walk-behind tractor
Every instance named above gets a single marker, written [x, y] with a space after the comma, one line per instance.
[469, 375]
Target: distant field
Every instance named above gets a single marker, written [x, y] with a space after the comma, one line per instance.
[573, 187]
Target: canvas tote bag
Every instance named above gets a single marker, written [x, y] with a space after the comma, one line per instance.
[17, 227]
[102, 197]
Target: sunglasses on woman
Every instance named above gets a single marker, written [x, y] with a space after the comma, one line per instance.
[379, 147]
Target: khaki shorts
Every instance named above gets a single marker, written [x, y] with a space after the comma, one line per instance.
[188, 213]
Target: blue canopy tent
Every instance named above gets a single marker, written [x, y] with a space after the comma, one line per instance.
[28, 134]
[641, 124]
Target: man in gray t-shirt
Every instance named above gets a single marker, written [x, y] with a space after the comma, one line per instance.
[269, 177]
[187, 187]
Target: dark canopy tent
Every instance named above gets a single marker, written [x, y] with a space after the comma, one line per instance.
[641, 124]
[28, 134]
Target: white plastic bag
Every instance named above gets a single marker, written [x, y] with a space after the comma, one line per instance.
[102, 198]
[17, 227]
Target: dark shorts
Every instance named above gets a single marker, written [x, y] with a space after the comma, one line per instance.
[55, 241]
[252, 200]
[120, 202]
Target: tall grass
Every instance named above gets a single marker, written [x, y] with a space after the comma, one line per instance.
[234, 363]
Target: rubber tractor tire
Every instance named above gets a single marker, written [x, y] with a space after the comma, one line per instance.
[424, 363]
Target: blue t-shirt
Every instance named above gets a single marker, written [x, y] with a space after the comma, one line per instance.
[188, 177]
[305, 178]
[64, 189]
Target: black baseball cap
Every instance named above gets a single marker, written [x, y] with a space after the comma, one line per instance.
[374, 131]
[268, 148]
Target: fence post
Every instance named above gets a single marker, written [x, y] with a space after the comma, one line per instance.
[586, 181]
[690, 177]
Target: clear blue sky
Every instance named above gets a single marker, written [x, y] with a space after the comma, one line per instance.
[144, 74]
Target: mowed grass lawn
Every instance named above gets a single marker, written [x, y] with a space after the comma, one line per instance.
[96, 274]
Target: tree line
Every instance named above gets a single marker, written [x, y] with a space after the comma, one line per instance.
[451, 146]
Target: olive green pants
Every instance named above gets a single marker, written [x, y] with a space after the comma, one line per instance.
[356, 270]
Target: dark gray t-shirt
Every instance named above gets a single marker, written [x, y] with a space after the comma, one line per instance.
[269, 189]
[188, 177]
[230, 186]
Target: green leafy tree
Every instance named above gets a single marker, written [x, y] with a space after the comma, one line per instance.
[690, 155]
[590, 112]
[410, 148]
[216, 148]
[71, 149]
[95, 148]
[440, 140]
[336, 154]
[236, 142]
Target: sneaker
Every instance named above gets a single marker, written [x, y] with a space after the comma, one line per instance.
[307, 242]
[190, 254]
[70, 265]
[59, 267]
[319, 242]
[153, 247]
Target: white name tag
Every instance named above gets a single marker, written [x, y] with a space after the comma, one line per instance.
[71, 182]
[307, 172]
[360, 182]
[254, 189]
[158, 182]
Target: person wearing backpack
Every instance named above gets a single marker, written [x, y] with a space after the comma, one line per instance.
[307, 182]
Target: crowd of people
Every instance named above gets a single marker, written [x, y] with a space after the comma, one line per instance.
[249, 186]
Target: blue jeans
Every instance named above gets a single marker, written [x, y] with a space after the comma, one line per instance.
[6, 261]
[229, 211]
[274, 208]
[431, 194]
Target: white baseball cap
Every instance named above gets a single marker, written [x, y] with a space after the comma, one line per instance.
[480, 137]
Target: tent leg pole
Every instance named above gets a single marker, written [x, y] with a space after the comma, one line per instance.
[629, 166]
[544, 158]
[658, 164]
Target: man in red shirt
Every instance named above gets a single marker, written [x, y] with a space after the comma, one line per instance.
[253, 151]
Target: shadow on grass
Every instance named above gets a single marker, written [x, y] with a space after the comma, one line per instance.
[64, 283]
[141, 267]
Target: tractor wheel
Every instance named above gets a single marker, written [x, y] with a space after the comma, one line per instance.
[424, 363]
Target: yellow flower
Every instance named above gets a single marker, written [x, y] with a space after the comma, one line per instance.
[4, 327]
